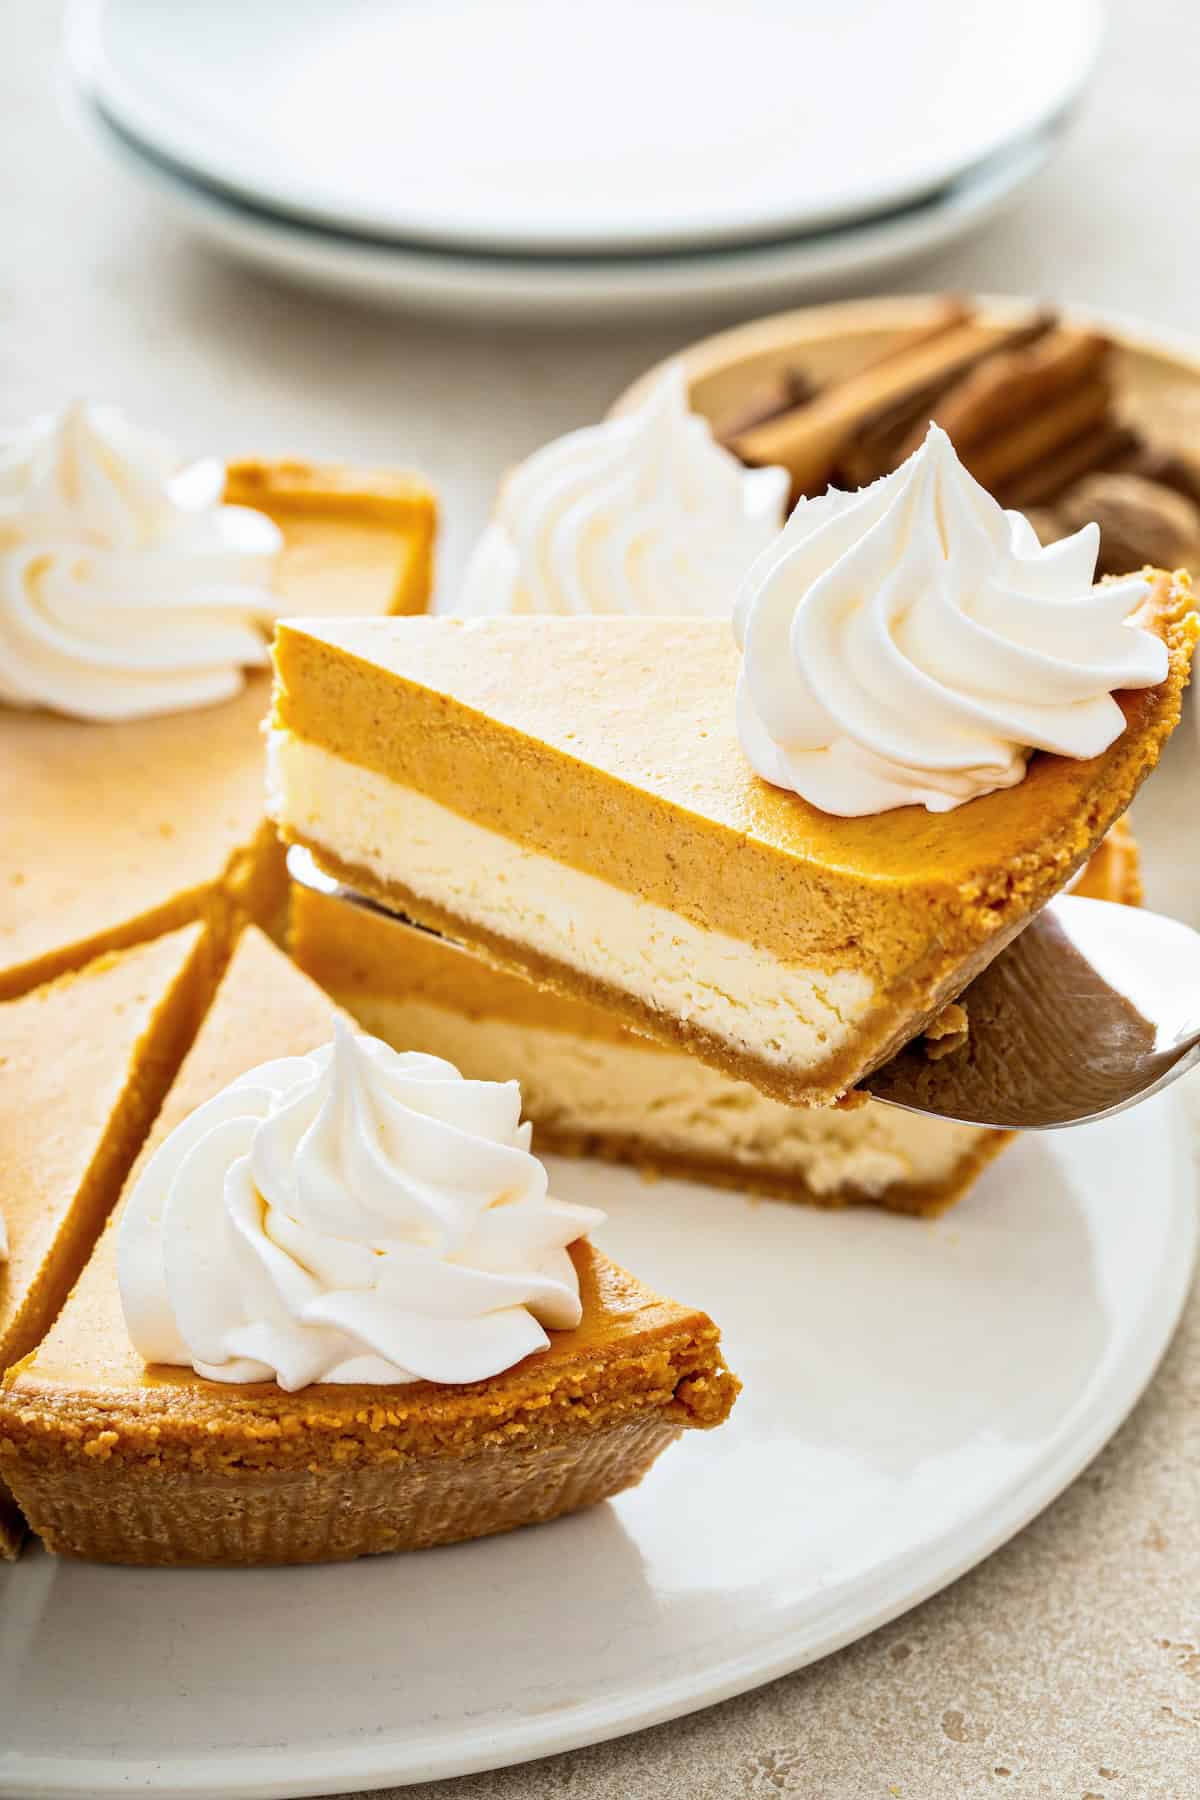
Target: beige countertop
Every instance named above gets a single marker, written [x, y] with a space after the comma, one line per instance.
[1069, 1664]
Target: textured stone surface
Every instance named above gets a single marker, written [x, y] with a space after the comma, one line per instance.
[1069, 1665]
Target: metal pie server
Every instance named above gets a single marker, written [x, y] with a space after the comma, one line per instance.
[1091, 1008]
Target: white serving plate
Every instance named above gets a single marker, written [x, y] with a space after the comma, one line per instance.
[915, 1393]
[599, 126]
[563, 287]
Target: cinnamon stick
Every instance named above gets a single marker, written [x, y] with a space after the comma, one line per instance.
[794, 387]
[808, 440]
[952, 310]
[784, 392]
[875, 447]
[1043, 481]
[1039, 434]
[1014, 383]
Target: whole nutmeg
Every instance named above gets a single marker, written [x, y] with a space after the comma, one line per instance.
[1140, 522]
[1046, 523]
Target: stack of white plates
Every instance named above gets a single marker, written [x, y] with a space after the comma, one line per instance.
[632, 155]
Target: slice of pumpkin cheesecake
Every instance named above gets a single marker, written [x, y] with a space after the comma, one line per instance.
[84, 1065]
[386, 1212]
[570, 796]
[124, 819]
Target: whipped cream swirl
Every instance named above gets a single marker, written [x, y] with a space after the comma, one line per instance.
[644, 514]
[126, 587]
[911, 643]
[350, 1216]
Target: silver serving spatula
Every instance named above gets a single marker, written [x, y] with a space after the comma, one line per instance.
[1091, 1008]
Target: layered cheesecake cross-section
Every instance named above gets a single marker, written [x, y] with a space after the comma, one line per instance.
[569, 797]
[594, 1088]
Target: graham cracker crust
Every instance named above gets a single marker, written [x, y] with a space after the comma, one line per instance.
[915, 1199]
[159, 1466]
[250, 1517]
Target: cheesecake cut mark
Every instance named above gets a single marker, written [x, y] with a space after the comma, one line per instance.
[155, 1059]
[252, 886]
[781, 1012]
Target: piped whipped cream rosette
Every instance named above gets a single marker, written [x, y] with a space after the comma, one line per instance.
[912, 643]
[127, 587]
[354, 1215]
[644, 514]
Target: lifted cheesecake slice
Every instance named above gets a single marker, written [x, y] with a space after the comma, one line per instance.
[592, 1088]
[116, 1460]
[569, 796]
[86, 1062]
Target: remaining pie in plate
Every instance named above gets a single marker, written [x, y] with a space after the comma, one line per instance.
[115, 1460]
[85, 1063]
[120, 829]
[570, 796]
[593, 1088]
[354, 540]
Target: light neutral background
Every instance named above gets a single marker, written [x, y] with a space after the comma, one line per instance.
[1069, 1666]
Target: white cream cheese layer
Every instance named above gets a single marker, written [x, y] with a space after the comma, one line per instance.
[784, 1013]
[672, 1103]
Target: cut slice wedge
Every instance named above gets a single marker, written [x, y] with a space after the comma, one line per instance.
[122, 1462]
[569, 797]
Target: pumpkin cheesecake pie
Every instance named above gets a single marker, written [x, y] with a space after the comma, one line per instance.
[593, 1088]
[354, 540]
[130, 746]
[84, 1065]
[114, 1458]
[571, 798]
